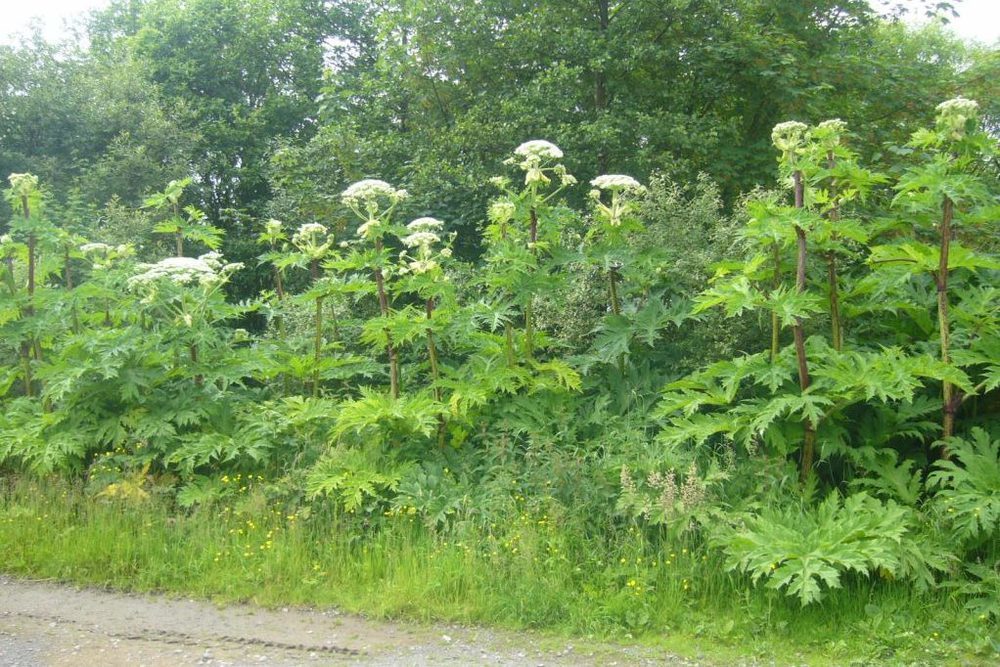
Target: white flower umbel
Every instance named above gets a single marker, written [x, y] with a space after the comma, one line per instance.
[540, 149]
[23, 185]
[535, 159]
[371, 200]
[955, 114]
[421, 239]
[272, 227]
[212, 259]
[425, 224]
[624, 189]
[362, 193]
[828, 133]
[180, 270]
[618, 182]
[95, 248]
[311, 240]
[789, 137]
[308, 232]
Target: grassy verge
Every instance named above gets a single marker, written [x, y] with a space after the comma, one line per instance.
[535, 572]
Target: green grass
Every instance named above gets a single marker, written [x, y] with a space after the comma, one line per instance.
[534, 571]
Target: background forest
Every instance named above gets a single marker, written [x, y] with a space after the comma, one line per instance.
[615, 317]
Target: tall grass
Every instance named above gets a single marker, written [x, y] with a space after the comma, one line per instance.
[534, 571]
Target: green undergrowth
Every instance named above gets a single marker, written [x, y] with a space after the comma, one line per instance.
[537, 571]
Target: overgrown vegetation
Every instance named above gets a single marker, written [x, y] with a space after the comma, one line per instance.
[618, 408]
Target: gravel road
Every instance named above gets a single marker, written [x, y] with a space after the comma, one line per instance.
[53, 624]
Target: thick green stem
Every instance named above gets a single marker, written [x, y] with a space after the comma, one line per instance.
[432, 355]
[199, 379]
[317, 346]
[775, 321]
[432, 351]
[68, 282]
[383, 304]
[179, 234]
[616, 308]
[837, 332]
[29, 309]
[950, 397]
[809, 430]
[529, 324]
[318, 333]
[508, 332]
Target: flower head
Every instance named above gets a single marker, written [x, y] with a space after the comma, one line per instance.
[23, 185]
[212, 259]
[421, 240]
[425, 224]
[309, 239]
[617, 182]
[180, 270]
[954, 116]
[502, 211]
[829, 132]
[789, 136]
[539, 149]
[534, 157]
[95, 248]
[367, 192]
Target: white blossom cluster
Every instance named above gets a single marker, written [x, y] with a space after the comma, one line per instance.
[954, 115]
[502, 211]
[420, 239]
[617, 182]
[539, 149]
[533, 157]
[423, 233]
[829, 132]
[789, 136]
[425, 224]
[367, 191]
[309, 239]
[23, 185]
[95, 248]
[307, 233]
[208, 269]
[273, 228]
[103, 255]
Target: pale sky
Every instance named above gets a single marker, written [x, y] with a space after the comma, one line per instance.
[978, 19]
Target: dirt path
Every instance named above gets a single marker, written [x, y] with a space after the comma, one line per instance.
[50, 624]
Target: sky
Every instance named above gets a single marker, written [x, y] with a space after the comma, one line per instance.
[978, 19]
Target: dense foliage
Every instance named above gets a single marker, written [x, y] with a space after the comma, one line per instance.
[799, 382]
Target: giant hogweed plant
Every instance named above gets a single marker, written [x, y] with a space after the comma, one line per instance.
[944, 199]
[522, 240]
[751, 399]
